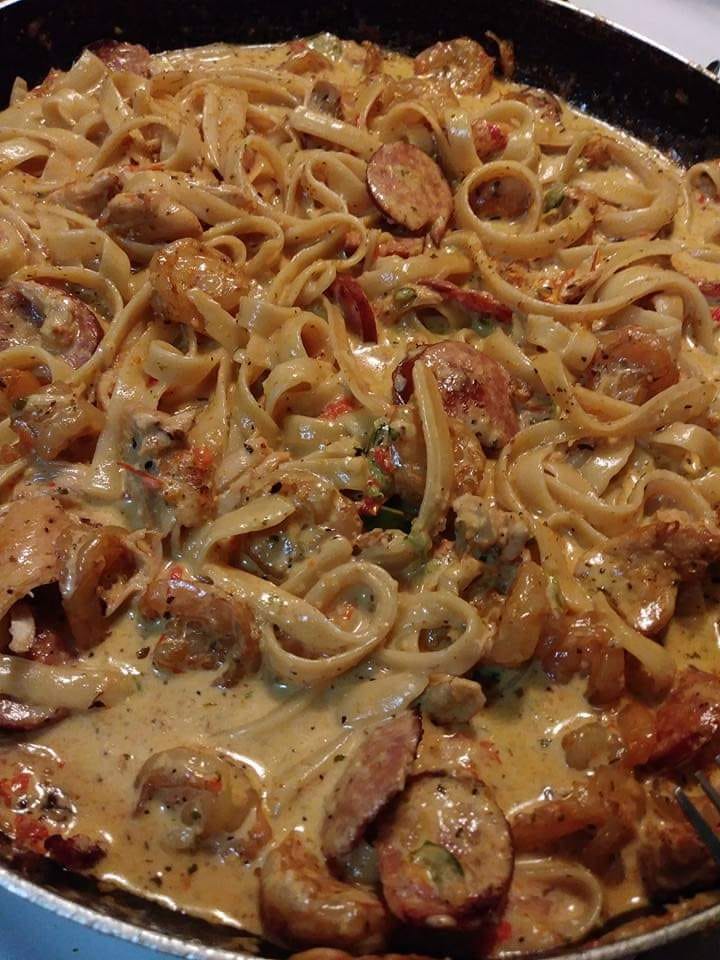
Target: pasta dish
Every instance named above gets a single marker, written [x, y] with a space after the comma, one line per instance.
[360, 474]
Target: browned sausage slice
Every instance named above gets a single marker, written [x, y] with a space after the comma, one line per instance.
[357, 310]
[477, 301]
[409, 187]
[445, 855]
[474, 387]
[374, 774]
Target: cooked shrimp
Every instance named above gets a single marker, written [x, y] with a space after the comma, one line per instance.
[188, 265]
[463, 63]
[303, 906]
[632, 364]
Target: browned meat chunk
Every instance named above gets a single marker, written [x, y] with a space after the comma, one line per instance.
[687, 723]
[152, 217]
[90, 195]
[639, 571]
[187, 265]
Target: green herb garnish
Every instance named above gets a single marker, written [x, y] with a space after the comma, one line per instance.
[483, 325]
[439, 863]
[553, 197]
[404, 295]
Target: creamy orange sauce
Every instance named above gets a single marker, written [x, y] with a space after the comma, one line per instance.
[294, 742]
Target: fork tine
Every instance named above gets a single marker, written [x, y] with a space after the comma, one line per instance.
[698, 822]
[709, 790]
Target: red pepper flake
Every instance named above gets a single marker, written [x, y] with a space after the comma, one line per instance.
[503, 932]
[491, 750]
[154, 483]
[11, 788]
[715, 314]
[336, 408]
[370, 506]
[203, 457]
[176, 572]
[9, 452]
[215, 785]
[30, 834]
[383, 457]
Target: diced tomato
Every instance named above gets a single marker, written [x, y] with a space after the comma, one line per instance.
[30, 833]
[215, 785]
[370, 506]
[9, 452]
[11, 788]
[152, 482]
[19, 383]
[711, 288]
[203, 457]
[336, 408]
[503, 932]
[382, 456]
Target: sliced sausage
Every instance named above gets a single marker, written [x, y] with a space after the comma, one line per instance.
[633, 364]
[476, 301]
[474, 388]
[462, 63]
[130, 57]
[409, 188]
[303, 906]
[688, 720]
[445, 854]
[41, 313]
[357, 310]
[374, 774]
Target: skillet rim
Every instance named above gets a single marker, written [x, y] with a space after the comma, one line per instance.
[48, 898]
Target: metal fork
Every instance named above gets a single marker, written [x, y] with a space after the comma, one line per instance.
[697, 821]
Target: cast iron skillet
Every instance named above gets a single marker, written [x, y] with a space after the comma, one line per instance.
[598, 67]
